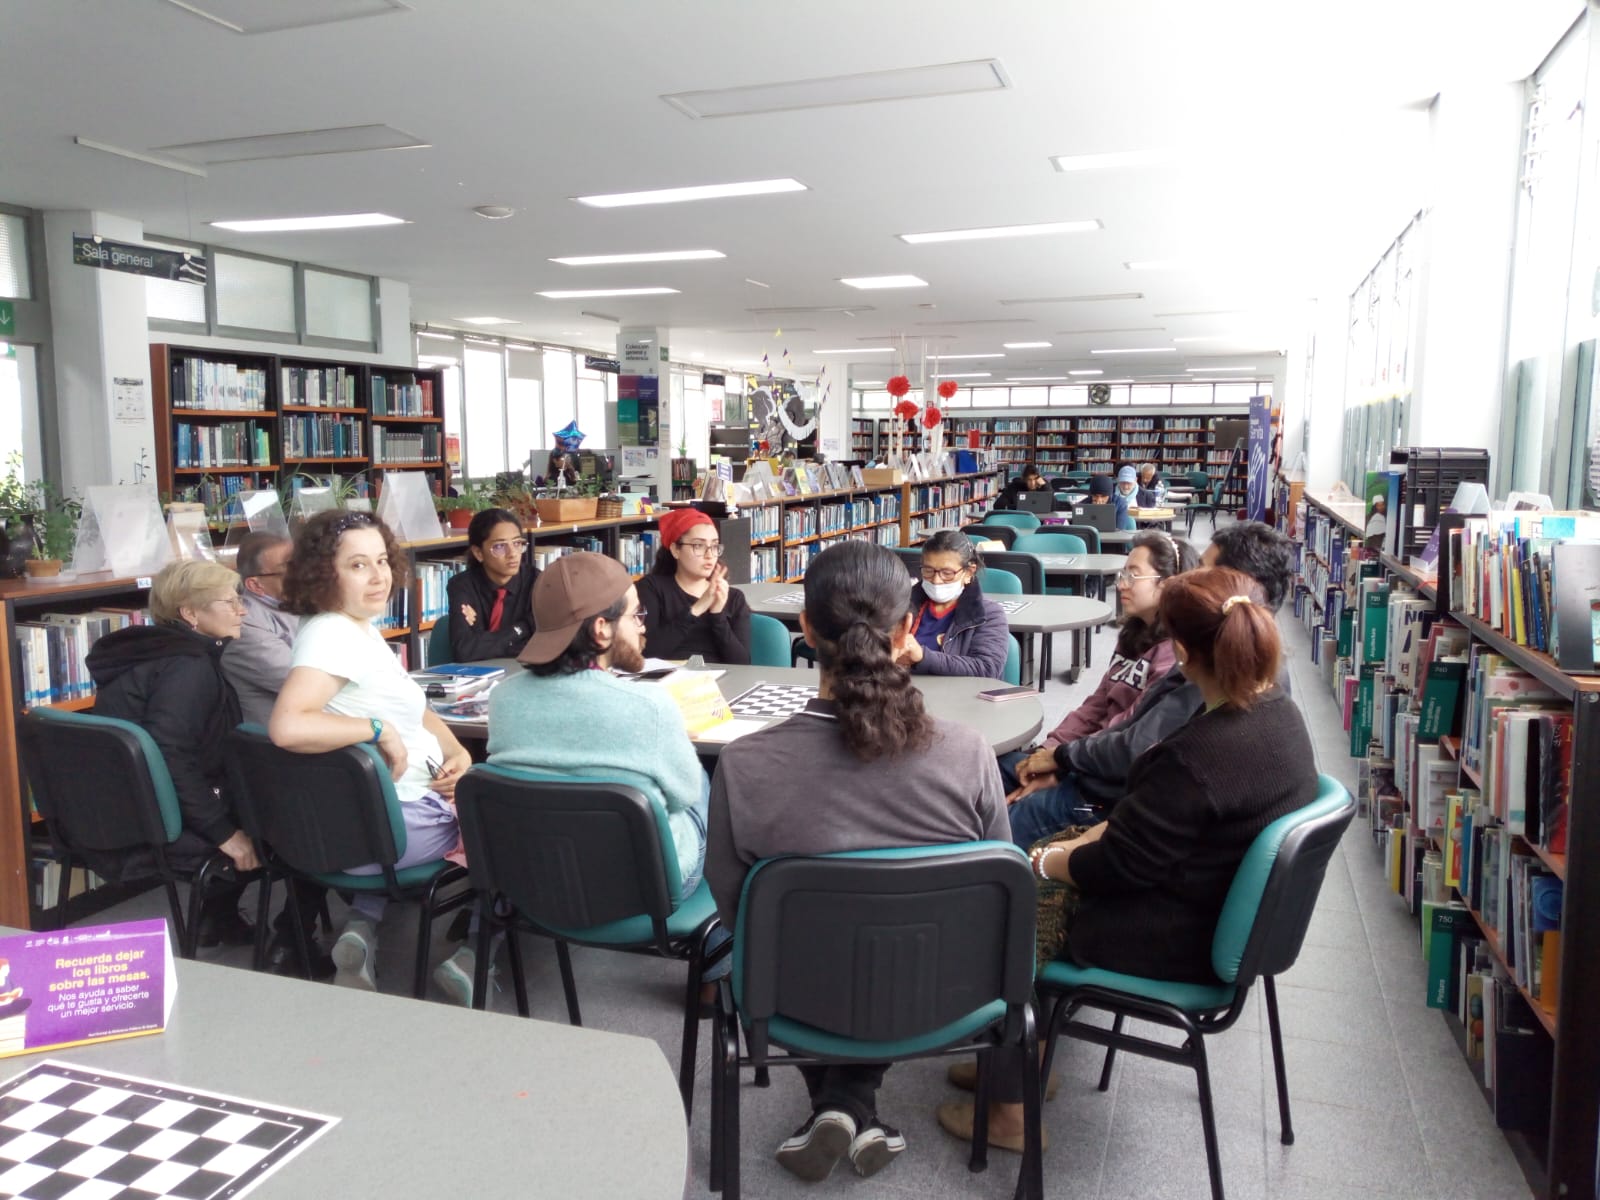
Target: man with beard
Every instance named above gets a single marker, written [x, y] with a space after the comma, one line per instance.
[589, 623]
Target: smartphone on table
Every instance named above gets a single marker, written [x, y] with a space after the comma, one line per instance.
[1006, 693]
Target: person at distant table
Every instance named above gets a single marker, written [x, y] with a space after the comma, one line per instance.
[691, 609]
[1126, 497]
[1031, 480]
[490, 603]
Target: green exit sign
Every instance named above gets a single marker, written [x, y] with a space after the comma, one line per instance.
[8, 321]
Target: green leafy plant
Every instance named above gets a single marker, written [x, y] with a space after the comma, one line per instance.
[54, 518]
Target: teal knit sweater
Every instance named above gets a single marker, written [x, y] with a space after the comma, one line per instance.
[593, 725]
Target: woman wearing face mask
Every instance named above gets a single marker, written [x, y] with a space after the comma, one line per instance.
[1126, 496]
[490, 602]
[692, 609]
[955, 630]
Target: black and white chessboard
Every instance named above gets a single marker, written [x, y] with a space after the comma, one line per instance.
[1011, 606]
[67, 1133]
[773, 700]
[798, 599]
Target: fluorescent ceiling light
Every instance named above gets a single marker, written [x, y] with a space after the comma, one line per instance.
[1105, 162]
[298, 224]
[1033, 378]
[1001, 231]
[1026, 345]
[1159, 264]
[249, 16]
[486, 320]
[1144, 350]
[707, 191]
[859, 350]
[861, 383]
[443, 337]
[601, 260]
[965, 375]
[1223, 370]
[949, 357]
[1215, 312]
[587, 293]
[789, 309]
[866, 87]
[347, 139]
[1076, 299]
[884, 281]
[1123, 329]
[1213, 338]
[1085, 372]
[982, 321]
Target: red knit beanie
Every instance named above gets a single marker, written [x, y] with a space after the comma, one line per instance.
[679, 521]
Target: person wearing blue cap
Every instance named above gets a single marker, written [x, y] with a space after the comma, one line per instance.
[1125, 495]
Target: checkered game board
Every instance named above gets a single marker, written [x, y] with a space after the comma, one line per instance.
[798, 599]
[1011, 606]
[94, 1135]
[773, 700]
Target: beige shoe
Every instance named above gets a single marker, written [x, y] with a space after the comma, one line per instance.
[955, 1116]
[964, 1075]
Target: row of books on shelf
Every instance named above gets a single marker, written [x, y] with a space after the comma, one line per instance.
[637, 551]
[406, 446]
[51, 651]
[433, 579]
[318, 387]
[320, 437]
[199, 383]
[1514, 894]
[226, 444]
[45, 875]
[766, 521]
[402, 399]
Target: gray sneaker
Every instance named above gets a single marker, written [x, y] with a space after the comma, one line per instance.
[355, 954]
[454, 976]
[822, 1141]
[875, 1147]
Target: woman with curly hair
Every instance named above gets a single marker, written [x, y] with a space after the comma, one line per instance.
[862, 766]
[346, 687]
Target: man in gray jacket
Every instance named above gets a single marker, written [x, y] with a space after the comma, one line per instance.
[1088, 775]
[257, 661]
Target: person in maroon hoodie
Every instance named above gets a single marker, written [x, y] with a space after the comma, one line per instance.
[1143, 655]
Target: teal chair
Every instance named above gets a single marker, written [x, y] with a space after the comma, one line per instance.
[769, 642]
[1212, 505]
[1051, 543]
[879, 956]
[1258, 936]
[912, 557]
[1199, 481]
[997, 582]
[1017, 520]
[103, 786]
[439, 642]
[1012, 672]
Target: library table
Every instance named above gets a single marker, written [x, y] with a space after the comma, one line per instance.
[432, 1100]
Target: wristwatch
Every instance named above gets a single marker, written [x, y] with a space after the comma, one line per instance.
[377, 730]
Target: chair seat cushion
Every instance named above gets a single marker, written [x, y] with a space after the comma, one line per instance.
[637, 931]
[807, 1039]
[1190, 997]
[419, 876]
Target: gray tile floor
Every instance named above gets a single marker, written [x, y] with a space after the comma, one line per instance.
[1384, 1106]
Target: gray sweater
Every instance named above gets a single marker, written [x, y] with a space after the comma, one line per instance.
[257, 661]
[796, 788]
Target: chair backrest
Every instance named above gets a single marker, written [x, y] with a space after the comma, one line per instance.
[569, 854]
[1199, 480]
[1012, 671]
[1275, 889]
[769, 642]
[1089, 534]
[1036, 502]
[993, 533]
[1097, 516]
[319, 813]
[439, 642]
[100, 782]
[1216, 492]
[997, 581]
[1049, 543]
[912, 557]
[1025, 567]
[1078, 477]
[1017, 520]
[885, 945]
[1061, 483]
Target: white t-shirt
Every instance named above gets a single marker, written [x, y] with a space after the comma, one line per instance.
[376, 685]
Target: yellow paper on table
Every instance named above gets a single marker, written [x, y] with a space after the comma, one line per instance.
[1153, 514]
[699, 700]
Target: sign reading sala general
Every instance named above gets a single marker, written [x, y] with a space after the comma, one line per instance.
[179, 265]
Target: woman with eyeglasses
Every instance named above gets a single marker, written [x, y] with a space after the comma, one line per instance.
[955, 629]
[692, 609]
[491, 601]
[167, 679]
[346, 687]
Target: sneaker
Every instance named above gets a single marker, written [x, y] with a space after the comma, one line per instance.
[454, 976]
[822, 1141]
[355, 955]
[875, 1147]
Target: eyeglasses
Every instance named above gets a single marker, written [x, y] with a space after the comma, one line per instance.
[235, 602]
[509, 549]
[943, 574]
[1127, 578]
[640, 613]
[712, 548]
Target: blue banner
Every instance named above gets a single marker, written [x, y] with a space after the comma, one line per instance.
[1257, 483]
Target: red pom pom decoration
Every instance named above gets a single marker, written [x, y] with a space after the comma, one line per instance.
[948, 388]
[905, 410]
[931, 416]
[898, 386]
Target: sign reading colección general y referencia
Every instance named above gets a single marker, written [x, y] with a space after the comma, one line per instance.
[100, 252]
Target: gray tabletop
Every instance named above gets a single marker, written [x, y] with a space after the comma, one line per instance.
[1039, 614]
[1082, 564]
[429, 1097]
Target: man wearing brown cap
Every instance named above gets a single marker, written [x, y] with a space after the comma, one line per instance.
[567, 712]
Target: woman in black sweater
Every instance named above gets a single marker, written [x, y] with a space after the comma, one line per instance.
[1151, 880]
[491, 602]
[689, 606]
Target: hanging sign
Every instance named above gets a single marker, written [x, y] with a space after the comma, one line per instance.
[177, 265]
[608, 365]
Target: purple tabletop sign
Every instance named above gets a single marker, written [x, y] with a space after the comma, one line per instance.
[84, 985]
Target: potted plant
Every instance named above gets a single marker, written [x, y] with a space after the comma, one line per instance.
[474, 498]
[574, 504]
[55, 529]
[16, 520]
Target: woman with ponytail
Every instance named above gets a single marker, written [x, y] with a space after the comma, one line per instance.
[1147, 886]
[862, 766]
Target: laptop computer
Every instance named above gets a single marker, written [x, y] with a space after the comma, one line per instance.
[1099, 517]
[1036, 502]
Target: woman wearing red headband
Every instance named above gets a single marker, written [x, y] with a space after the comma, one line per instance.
[689, 606]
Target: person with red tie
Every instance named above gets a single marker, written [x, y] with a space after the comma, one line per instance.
[491, 602]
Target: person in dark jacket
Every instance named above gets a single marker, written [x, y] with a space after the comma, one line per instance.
[1031, 480]
[491, 601]
[1150, 881]
[1091, 773]
[167, 678]
[686, 601]
[955, 629]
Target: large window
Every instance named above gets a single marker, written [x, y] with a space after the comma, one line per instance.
[172, 303]
[338, 307]
[560, 391]
[254, 295]
[525, 435]
[594, 390]
[15, 279]
[484, 379]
